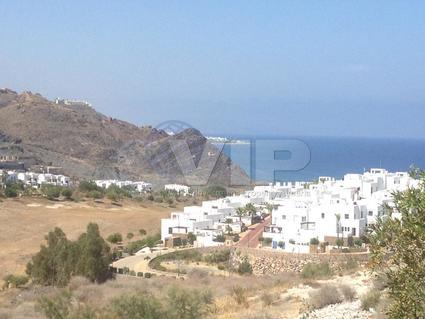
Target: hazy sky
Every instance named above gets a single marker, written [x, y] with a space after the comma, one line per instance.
[333, 68]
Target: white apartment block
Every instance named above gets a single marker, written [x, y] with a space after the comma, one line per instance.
[140, 186]
[332, 208]
[326, 210]
[180, 189]
[209, 220]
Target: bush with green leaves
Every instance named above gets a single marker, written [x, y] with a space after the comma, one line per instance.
[136, 306]
[188, 304]
[51, 191]
[148, 241]
[245, 268]
[130, 235]
[67, 192]
[15, 280]
[114, 238]
[397, 249]
[316, 271]
[13, 189]
[142, 232]
[314, 241]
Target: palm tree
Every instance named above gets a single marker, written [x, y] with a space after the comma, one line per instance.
[250, 210]
[240, 212]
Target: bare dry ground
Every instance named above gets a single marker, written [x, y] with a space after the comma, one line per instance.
[24, 222]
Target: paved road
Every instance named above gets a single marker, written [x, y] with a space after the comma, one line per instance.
[254, 233]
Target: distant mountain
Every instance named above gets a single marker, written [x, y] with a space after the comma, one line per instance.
[88, 144]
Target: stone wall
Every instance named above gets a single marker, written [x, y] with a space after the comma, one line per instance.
[274, 262]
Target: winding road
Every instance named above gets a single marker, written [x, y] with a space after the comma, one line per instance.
[253, 234]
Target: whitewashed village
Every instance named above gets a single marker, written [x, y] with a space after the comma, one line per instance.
[328, 212]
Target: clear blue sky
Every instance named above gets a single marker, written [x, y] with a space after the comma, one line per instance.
[333, 68]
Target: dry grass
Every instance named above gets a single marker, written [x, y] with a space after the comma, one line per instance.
[28, 220]
[326, 295]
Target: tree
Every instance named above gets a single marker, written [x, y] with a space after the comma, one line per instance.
[191, 237]
[54, 263]
[95, 255]
[397, 247]
[240, 212]
[130, 235]
[142, 232]
[250, 211]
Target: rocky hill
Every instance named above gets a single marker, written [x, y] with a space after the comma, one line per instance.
[87, 144]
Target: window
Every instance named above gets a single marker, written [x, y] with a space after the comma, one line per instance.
[283, 216]
[354, 231]
[370, 213]
[170, 230]
[323, 215]
[304, 219]
[347, 216]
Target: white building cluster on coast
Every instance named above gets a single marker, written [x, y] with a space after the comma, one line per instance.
[327, 210]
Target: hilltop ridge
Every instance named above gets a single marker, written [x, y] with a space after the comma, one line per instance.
[88, 144]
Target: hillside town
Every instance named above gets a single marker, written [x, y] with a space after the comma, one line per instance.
[330, 212]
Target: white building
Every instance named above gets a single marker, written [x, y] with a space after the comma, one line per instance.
[332, 208]
[326, 210]
[180, 189]
[140, 186]
[208, 221]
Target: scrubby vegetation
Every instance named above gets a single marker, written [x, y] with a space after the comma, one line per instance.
[326, 295]
[370, 299]
[316, 271]
[178, 304]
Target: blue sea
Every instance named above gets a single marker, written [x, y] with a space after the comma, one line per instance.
[307, 158]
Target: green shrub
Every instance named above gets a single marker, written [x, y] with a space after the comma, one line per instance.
[13, 189]
[220, 239]
[95, 194]
[67, 192]
[188, 304]
[142, 232]
[370, 299]
[245, 267]
[218, 256]
[136, 306]
[130, 235]
[316, 271]
[314, 241]
[51, 191]
[15, 280]
[114, 238]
